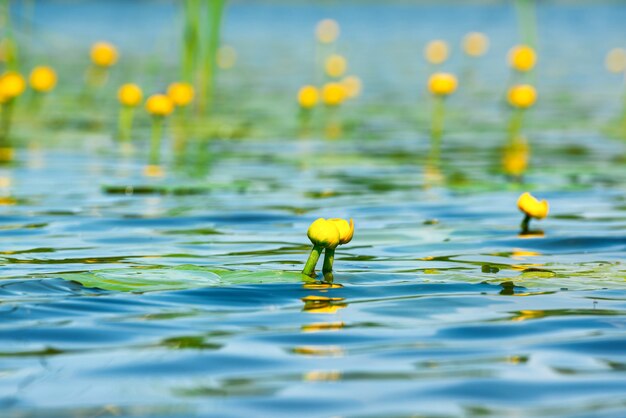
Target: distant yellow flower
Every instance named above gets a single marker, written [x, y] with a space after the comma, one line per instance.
[442, 84]
[43, 79]
[324, 233]
[226, 57]
[522, 96]
[346, 230]
[522, 58]
[616, 60]
[159, 105]
[308, 96]
[104, 54]
[336, 66]
[475, 44]
[352, 85]
[327, 31]
[181, 94]
[333, 94]
[12, 84]
[436, 52]
[532, 207]
[130, 95]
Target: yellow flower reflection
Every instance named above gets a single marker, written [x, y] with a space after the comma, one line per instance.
[522, 58]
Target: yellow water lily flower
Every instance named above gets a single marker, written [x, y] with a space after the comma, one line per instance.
[442, 84]
[616, 60]
[12, 85]
[327, 31]
[475, 44]
[181, 94]
[436, 52]
[353, 86]
[336, 66]
[522, 96]
[324, 233]
[533, 207]
[333, 94]
[130, 94]
[522, 58]
[308, 96]
[159, 105]
[346, 230]
[43, 79]
[104, 54]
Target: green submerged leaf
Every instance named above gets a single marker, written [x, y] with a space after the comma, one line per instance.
[150, 279]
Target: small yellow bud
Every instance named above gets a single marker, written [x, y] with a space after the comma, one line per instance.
[336, 66]
[522, 58]
[522, 96]
[130, 95]
[308, 96]
[532, 207]
[181, 94]
[436, 52]
[159, 105]
[12, 84]
[327, 31]
[616, 60]
[324, 233]
[475, 44]
[346, 230]
[103, 54]
[43, 79]
[442, 84]
[352, 85]
[333, 94]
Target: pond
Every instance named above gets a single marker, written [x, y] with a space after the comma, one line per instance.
[178, 294]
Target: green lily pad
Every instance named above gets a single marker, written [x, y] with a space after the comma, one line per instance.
[150, 279]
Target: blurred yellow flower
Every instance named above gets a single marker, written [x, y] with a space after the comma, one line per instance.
[336, 66]
[522, 96]
[130, 94]
[308, 96]
[515, 158]
[442, 84]
[353, 86]
[436, 52]
[226, 57]
[181, 94]
[12, 84]
[616, 60]
[346, 230]
[475, 44]
[333, 94]
[522, 58]
[532, 207]
[43, 79]
[324, 233]
[327, 31]
[103, 54]
[159, 105]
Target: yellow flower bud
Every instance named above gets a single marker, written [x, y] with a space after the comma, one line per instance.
[159, 105]
[522, 58]
[43, 79]
[442, 84]
[616, 60]
[352, 85]
[532, 207]
[333, 94]
[181, 94]
[336, 66]
[475, 44]
[346, 230]
[12, 84]
[522, 96]
[103, 54]
[436, 52]
[327, 31]
[130, 95]
[308, 96]
[324, 233]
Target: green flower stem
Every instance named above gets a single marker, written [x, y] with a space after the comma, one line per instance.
[516, 123]
[309, 267]
[155, 144]
[329, 258]
[524, 225]
[125, 122]
[6, 122]
[207, 73]
[438, 118]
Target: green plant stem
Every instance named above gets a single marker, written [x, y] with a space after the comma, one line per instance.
[191, 35]
[155, 143]
[438, 117]
[516, 123]
[329, 259]
[7, 119]
[525, 224]
[527, 20]
[207, 79]
[126, 122]
[309, 267]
